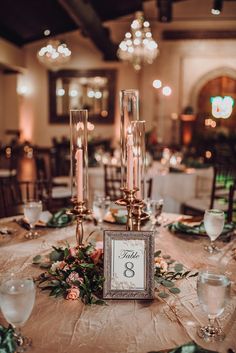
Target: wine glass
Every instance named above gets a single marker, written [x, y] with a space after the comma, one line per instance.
[213, 291]
[156, 207]
[101, 206]
[32, 210]
[17, 297]
[214, 224]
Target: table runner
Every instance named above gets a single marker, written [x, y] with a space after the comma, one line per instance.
[61, 326]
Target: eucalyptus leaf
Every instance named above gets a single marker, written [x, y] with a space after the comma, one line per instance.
[37, 259]
[157, 253]
[167, 283]
[178, 267]
[56, 255]
[166, 257]
[45, 265]
[174, 290]
[163, 295]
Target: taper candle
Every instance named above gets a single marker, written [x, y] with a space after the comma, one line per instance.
[79, 171]
[130, 160]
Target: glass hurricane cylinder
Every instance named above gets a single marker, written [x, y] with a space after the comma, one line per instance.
[129, 110]
[139, 151]
[79, 155]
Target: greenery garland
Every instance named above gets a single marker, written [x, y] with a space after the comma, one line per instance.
[77, 273]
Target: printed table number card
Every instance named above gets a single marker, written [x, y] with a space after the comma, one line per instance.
[128, 265]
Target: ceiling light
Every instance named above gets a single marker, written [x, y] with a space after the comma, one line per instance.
[54, 53]
[217, 7]
[166, 91]
[138, 46]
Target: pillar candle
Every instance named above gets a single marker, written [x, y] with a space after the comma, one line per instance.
[79, 174]
[130, 161]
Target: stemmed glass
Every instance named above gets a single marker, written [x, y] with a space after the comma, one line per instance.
[156, 207]
[214, 224]
[17, 297]
[101, 206]
[213, 291]
[32, 210]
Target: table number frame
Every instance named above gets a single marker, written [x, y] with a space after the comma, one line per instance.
[125, 252]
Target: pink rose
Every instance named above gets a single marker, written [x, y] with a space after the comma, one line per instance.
[161, 264]
[74, 276]
[73, 293]
[95, 255]
[73, 252]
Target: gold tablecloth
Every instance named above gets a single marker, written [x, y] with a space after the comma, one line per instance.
[60, 326]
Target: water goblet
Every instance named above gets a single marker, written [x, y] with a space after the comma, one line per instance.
[214, 224]
[213, 291]
[101, 205]
[17, 297]
[32, 210]
[156, 207]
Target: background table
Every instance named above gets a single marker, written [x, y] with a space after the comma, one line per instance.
[60, 326]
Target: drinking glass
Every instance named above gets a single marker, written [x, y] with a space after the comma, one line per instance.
[214, 224]
[101, 206]
[32, 210]
[156, 207]
[213, 291]
[17, 297]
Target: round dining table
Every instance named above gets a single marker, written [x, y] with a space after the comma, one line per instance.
[57, 325]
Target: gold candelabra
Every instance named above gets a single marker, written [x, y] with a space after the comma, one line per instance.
[135, 213]
[80, 211]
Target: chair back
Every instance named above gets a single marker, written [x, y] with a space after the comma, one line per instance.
[14, 193]
[231, 216]
[112, 181]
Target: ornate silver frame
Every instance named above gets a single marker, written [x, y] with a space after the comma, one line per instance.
[148, 237]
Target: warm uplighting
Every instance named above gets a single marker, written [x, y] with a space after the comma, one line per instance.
[157, 84]
[138, 46]
[208, 154]
[54, 53]
[166, 91]
[217, 7]
[210, 123]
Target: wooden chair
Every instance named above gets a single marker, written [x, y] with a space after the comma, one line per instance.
[112, 178]
[231, 215]
[112, 181]
[14, 193]
[219, 195]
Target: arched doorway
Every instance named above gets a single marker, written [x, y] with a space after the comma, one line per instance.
[221, 86]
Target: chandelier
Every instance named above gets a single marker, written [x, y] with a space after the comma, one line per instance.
[138, 46]
[55, 52]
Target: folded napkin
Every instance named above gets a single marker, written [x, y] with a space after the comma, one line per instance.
[60, 219]
[198, 228]
[190, 347]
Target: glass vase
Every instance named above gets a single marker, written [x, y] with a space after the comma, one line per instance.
[79, 155]
[139, 150]
[129, 110]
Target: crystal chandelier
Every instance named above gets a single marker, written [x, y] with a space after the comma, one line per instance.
[138, 46]
[55, 52]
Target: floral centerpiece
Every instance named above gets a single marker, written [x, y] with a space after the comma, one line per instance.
[77, 273]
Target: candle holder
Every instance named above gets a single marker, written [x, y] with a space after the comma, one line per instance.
[138, 214]
[79, 169]
[80, 211]
[129, 201]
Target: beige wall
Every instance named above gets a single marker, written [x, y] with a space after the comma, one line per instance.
[11, 56]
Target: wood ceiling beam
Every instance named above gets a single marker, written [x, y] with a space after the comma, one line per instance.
[87, 19]
[198, 34]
